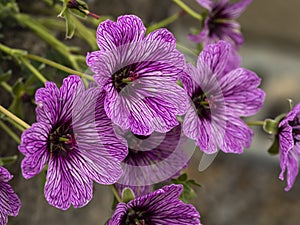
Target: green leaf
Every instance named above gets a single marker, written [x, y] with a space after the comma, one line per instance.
[274, 148]
[5, 76]
[182, 177]
[127, 195]
[16, 107]
[70, 26]
[188, 192]
[17, 88]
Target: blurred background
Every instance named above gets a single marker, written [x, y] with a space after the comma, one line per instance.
[236, 189]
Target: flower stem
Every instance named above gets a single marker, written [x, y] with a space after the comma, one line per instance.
[8, 159]
[58, 66]
[115, 192]
[6, 86]
[9, 132]
[33, 70]
[14, 117]
[188, 9]
[255, 123]
[42, 32]
[165, 22]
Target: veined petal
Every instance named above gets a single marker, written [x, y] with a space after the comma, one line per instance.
[128, 28]
[237, 136]
[34, 146]
[242, 97]
[92, 57]
[206, 4]
[236, 9]
[213, 58]
[47, 103]
[66, 185]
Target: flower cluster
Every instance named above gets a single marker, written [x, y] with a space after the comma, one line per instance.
[125, 130]
[134, 126]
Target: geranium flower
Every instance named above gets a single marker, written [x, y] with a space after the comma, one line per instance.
[10, 203]
[74, 137]
[220, 22]
[219, 100]
[159, 207]
[153, 159]
[139, 74]
[289, 146]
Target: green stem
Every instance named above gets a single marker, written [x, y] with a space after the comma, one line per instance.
[164, 22]
[58, 66]
[19, 54]
[115, 192]
[14, 117]
[8, 159]
[188, 9]
[33, 70]
[15, 124]
[6, 86]
[43, 33]
[10, 132]
[185, 49]
[255, 123]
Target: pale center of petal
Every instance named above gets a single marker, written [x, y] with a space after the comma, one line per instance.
[124, 76]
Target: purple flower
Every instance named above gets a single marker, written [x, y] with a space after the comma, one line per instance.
[153, 159]
[139, 74]
[76, 139]
[159, 207]
[10, 203]
[219, 100]
[289, 146]
[220, 23]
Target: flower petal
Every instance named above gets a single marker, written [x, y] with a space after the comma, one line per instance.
[66, 184]
[34, 146]
[237, 136]
[213, 59]
[206, 4]
[236, 9]
[47, 103]
[242, 97]
[128, 28]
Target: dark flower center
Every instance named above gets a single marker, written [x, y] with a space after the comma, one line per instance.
[135, 217]
[124, 76]
[295, 124]
[61, 140]
[217, 20]
[202, 104]
[134, 145]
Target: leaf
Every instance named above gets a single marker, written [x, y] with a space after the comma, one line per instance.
[274, 148]
[188, 192]
[70, 26]
[127, 195]
[5, 76]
